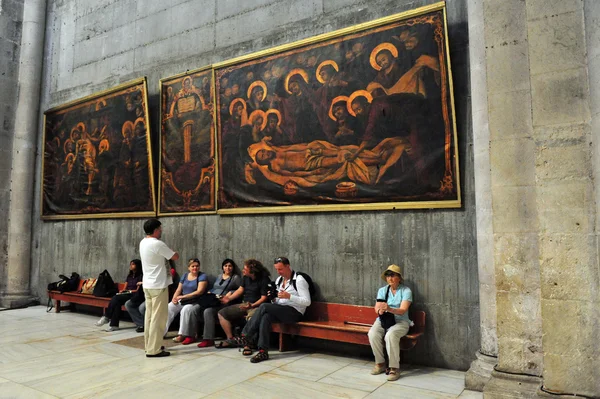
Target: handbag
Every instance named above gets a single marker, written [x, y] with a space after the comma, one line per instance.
[88, 286]
[387, 319]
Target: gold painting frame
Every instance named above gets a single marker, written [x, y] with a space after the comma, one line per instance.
[451, 159]
[166, 179]
[127, 101]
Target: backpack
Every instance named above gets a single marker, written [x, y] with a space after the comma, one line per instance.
[105, 285]
[311, 286]
[65, 284]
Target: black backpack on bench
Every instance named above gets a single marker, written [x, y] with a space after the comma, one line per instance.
[105, 285]
[65, 284]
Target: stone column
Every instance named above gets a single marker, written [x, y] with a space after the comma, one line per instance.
[514, 213]
[23, 163]
[566, 206]
[481, 369]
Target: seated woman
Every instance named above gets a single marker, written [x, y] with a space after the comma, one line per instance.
[394, 298]
[113, 311]
[191, 286]
[223, 287]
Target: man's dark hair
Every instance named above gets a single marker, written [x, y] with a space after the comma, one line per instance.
[282, 259]
[150, 225]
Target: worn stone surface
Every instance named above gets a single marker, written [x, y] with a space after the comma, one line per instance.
[11, 20]
[344, 252]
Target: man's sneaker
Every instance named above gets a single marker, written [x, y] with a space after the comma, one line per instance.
[103, 320]
[139, 329]
[112, 328]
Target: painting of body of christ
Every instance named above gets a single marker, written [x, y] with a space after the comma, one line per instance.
[358, 119]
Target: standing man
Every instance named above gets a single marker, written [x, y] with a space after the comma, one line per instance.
[154, 252]
[293, 297]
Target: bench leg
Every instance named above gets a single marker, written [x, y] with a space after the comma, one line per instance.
[285, 342]
[57, 306]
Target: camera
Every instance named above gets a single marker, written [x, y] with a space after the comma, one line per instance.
[271, 291]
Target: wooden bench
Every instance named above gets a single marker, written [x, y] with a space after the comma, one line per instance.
[343, 323]
[74, 297]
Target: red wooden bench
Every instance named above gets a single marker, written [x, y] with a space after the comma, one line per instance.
[74, 297]
[343, 323]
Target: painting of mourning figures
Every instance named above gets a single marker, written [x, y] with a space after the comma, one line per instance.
[187, 172]
[97, 160]
[365, 118]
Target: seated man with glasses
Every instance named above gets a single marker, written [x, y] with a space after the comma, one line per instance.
[293, 297]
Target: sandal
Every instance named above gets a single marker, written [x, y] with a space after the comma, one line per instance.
[247, 350]
[260, 356]
[241, 341]
[393, 374]
[228, 343]
[178, 339]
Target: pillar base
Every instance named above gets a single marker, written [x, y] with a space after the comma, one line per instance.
[18, 301]
[504, 386]
[480, 372]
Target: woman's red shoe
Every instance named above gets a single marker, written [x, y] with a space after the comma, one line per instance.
[206, 343]
[188, 340]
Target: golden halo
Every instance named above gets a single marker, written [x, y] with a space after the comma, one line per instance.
[100, 104]
[356, 94]
[104, 142]
[128, 125]
[73, 131]
[336, 100]
[276, 112]
[258, 83]
[138, 121]
[235, 101]
[187, 78]
[65, 145]
[81, 127]
[70, 156]
[295, 71]
[324, 63]
[383, 46]
[257, 113]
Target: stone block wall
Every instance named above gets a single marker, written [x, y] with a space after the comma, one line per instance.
[92, 45]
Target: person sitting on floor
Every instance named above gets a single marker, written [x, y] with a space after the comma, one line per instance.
[191, 286]
[293, 297]
[254, 292]
[225, 286]
[113, 311]
[394, 298]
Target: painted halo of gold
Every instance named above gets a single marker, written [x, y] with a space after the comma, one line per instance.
[81, 127]
[276, 112]
[184, 79]
[353, 96]
[324, 63]
[127, 125]
[138, 121]
[104, 142]
[336, 100]
[382, 46]
[65, 145]
[295, 71]
[100, 104]
[75, 129]
[258, 83]
[235, 101]
[255, 114]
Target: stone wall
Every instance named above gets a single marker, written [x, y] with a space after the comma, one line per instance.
[11, 19]
[92, 45]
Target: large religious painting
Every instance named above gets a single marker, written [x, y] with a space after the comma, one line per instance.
[97, 160]
[187, 172]
[357, 119]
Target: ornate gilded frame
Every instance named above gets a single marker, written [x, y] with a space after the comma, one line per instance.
[451, 159]
[101, 97]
